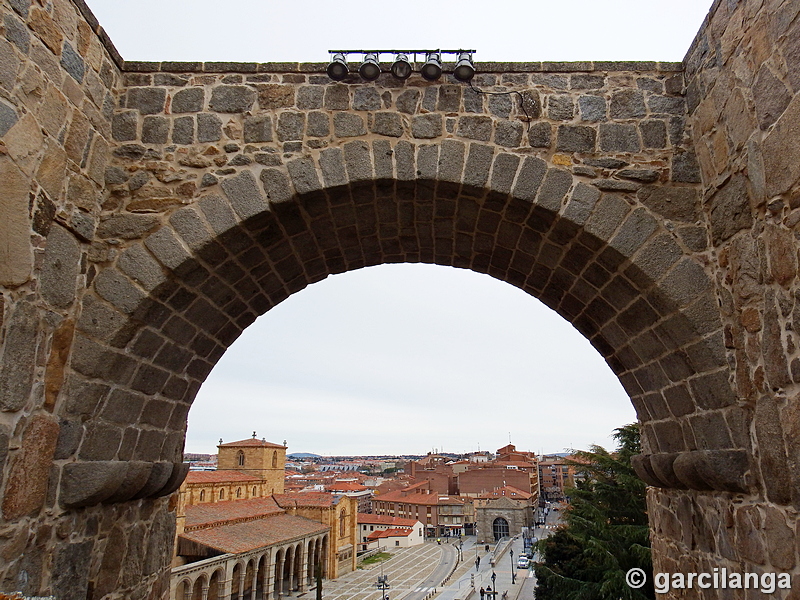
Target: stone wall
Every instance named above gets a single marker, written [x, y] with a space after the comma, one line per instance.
[58, 79]
[742, 76]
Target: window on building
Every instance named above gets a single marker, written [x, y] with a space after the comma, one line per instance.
[222, 494]
[274, 459]
[397, 542]
[240, 458]
[255, 492]
[202, 495]
[238, 492]
[342, 523]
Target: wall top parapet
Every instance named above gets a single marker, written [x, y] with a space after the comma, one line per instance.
[480, 67]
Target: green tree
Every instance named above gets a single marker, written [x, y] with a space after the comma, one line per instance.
[605, 531]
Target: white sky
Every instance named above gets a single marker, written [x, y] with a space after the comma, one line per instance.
[404, 359]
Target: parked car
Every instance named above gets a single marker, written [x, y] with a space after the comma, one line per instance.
[523, 562]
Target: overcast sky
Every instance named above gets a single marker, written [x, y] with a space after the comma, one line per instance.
[407, 358]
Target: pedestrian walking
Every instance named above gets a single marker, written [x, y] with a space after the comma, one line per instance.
[483, 592]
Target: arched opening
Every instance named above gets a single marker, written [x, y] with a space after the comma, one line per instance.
[202, 495]
[278, 588]
[499, 528]
[183, 591]
[604, 262]
[240, 458]
[237, 584]
[261, 576]
[197, 588]
[214, 585]
[249, 575]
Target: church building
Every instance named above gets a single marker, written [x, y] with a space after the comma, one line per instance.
[239, 535]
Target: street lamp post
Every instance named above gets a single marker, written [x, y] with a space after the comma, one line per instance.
[383, 585]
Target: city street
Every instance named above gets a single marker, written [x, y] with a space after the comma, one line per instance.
[414, 573]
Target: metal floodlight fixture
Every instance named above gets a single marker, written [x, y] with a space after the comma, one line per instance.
[401, 67]
[337, 68]
[370, 69]
[432, 69]
[464, 70]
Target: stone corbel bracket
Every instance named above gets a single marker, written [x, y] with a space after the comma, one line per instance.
[702, 470]
[110, 481]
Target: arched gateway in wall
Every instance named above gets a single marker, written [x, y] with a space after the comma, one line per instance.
[152, 211]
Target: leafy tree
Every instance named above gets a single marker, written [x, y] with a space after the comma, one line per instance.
[605, 532]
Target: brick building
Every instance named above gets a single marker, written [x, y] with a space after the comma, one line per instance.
[441, 515]
[555, 474]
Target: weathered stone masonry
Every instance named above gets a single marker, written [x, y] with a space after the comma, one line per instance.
[152, 211]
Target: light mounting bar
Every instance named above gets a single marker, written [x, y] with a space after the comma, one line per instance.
[401, 67]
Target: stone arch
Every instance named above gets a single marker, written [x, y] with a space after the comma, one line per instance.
[249, 575]
[197, 587]
[237, 579]
[605, 260]
[240, 458]
[500, 528]
[215, 585]
[184, 589]
[262, 574]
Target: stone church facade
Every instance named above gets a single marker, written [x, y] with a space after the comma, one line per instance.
[237, 532]
[150, 212]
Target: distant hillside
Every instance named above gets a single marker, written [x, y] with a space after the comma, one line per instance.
[302, 455]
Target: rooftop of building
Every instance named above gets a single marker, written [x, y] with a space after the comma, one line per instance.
[419, 497]
[213, 514]
[370, 519]
[245, 536]
[250, 443]
[507, 491]
[305, 499]
[387, 533]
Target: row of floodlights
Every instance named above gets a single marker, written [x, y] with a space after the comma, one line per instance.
[401, 68]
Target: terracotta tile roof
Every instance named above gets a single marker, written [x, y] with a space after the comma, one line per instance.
[368, 519]
[386, 533]
[417, 498]
[252, 442]
[514, 463]
[345, 486]
[304, 499]
[210, 514]
[507, 492]
[223, 476]
[243, 537]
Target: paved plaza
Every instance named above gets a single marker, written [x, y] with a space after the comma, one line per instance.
[406, 570]
[416, 573]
